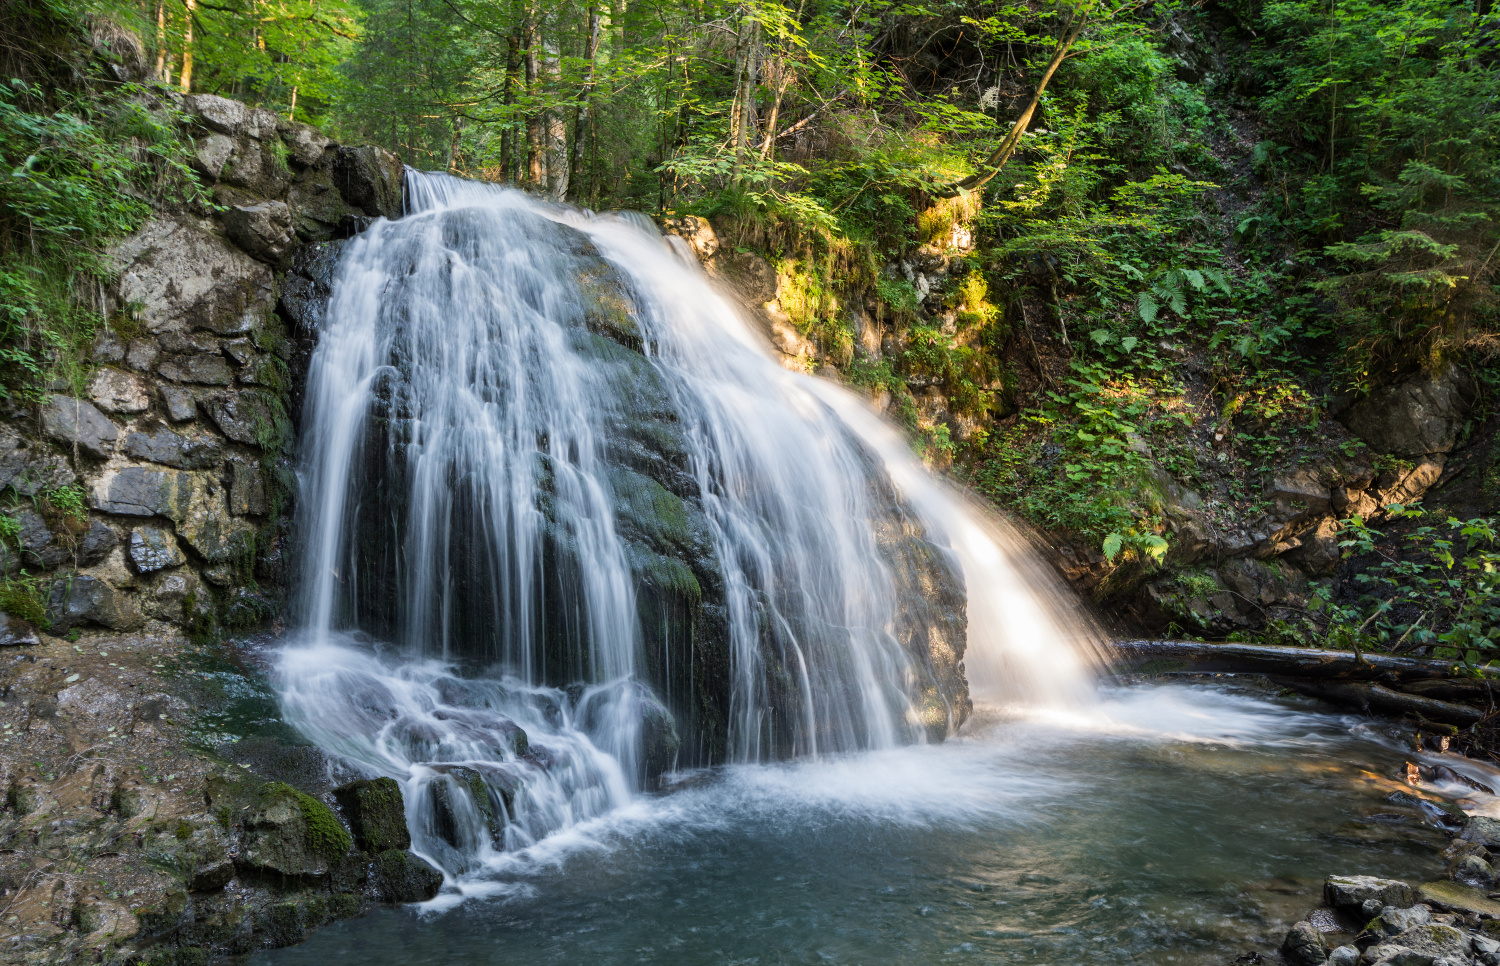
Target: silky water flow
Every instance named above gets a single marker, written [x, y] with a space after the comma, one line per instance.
[472, 627]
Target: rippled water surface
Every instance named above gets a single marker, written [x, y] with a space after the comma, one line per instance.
[1167, 824]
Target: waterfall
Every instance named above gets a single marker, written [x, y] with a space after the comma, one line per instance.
[565, 521]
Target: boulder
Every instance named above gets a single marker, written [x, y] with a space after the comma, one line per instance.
[1420, 415]
[1483, 830]
[370, 178]
[1304, 945]
[199, 452]
[82, 599]
[1437, 940]
[217, 113]
[203, 368]
[305, 142]
[194, 501]
[1344, 956]
[696, 231]
[1393, 921]
[376, 814]
[178, 276]
[749, 275]
[1301, 488]
[400, 876]
[74, 422]
[15, 632]
[119, 392]
[1353, 891]
[264, 230]
[1457, 897]
[291, 833]
[29, 469]
[180, 403]
[152, 549]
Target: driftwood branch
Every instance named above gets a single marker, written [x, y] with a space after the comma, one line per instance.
[1304, 662]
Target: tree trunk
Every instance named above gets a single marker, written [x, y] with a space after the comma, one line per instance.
[508, 132]
[1306, 662]
[555, 131]
[161, 43]
[534, 160]
[187, 48]
[583, 126]
[747, 79]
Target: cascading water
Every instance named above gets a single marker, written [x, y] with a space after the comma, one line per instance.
[559, 503]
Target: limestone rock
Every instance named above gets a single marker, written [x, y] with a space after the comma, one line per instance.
[247, 489]
[82, 599]
[163, 446]
[193, 501]
[210, 155]
[220, 114]
[180, 277]
[107, 347]
[14, 632]
[179, 403]
[73, 422]
[1421, 415]
[306, 143]
[153, 549]
[264, 230]
[697, 232]
[749, 274]
[1301, 488]
[376, 814]
[370, 178]
[29, 469]
[1304, 945]
[243, 417]
[119, 392]
[1352, 891]
[141, 354]
[204, 368]
[399, 876]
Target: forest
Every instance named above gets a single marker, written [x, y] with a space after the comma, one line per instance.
[1181, 238]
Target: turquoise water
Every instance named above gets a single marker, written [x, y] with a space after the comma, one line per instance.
[1167, 825]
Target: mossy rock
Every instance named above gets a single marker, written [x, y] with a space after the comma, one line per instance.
[376, 814]
[291, 833]
[399, 876]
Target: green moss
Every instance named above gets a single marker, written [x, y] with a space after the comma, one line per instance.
[326, 835]
[22, 597]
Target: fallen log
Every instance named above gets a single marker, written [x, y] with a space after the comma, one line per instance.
[1378, 699]
[1300, 662]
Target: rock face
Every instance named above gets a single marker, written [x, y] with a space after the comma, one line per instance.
[1417, 417]
[375, 814]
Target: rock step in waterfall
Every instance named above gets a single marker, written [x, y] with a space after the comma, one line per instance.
[568, 526]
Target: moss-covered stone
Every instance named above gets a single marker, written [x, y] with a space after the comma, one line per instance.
[376, 814]
[291, 833]
[399, 876]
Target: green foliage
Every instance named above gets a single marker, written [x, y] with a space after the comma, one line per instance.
[23, 597]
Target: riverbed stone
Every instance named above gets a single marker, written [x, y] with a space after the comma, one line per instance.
[1482, 830]
[376, 814]
[1352, 891]
[119, 392]
[1393, 920]
[400, 876]
[1436, 939]
[1304, 945]
[74, 422]
[1456, 897]
[152, 549]
[1344, 956]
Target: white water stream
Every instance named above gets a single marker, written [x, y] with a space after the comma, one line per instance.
[465, 578]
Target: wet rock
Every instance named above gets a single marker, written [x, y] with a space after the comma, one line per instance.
[659, 739]
[163, 446]
[80, 599]
[370, 178]
[1457, 897]
[309, 284]
[179, 403]
[749, 274]
[1482, 830]
[1352, 891]
[1390, 954]
[180, 275]
[206, 860]
[1421, 415]
[264, 230]
[291, 833]
[1344, 956]
[15, 632]
[247, 489]
[153, 549]
[204, 368]
[1474, 871]
[119, 392]
[696, 231]
[96, 543]
[1392, 921]
[74, 422]
[400, 876]
[376, 814]
[1304, 946]
[1486, 949]
[30, 469]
